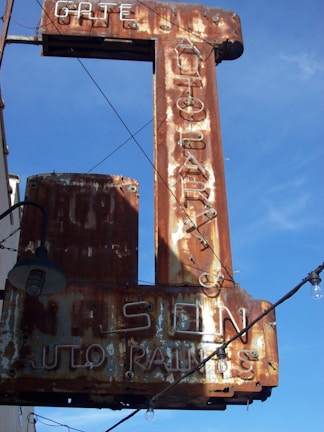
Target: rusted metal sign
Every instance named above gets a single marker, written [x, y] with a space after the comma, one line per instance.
[130, 30]
[105, 340]
[184, 41]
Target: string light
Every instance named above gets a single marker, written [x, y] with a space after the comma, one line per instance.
[316, 291]
[312, 277]
[221, 363]
[149, 415]
[220, 351]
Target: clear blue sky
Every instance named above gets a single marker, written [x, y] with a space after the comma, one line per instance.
[271, 103]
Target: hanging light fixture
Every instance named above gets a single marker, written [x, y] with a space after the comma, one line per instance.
[221, 362]
[149, 415]
[38, 274]
[316, 291]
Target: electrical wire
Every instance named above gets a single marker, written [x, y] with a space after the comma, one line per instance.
[186, 30]
[200, 365]
[119, 147]
[242, 332]
[25, 26]
[123, 420]
[2, 246]
[132, 136]
[37, 417]
[238, 334]
[165, 183]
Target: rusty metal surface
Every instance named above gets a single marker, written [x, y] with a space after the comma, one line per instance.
[93, 230]
[193, 234]
[112, 346]
[4, 30]
[191, 222]
[105, 341]
[108, 342]
[128, 30]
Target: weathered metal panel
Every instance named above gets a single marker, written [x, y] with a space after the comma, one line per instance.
[193, 234]
[128, 30]
[113, 346]
[105, 341]
[93, 230]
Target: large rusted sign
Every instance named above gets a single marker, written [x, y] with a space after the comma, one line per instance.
[105, 340]
[184, 41]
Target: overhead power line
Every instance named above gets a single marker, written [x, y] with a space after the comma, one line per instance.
[140, 147]
[312, 277]
[53, 423]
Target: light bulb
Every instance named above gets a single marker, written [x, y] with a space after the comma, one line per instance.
[315, 280]
[35, 282]
[316, 292]
[149, 415]
[222, 365]
[221, 362]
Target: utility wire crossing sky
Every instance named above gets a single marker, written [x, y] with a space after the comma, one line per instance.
[271, 107]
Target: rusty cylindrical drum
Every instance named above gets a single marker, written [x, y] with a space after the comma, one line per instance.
[93, 225]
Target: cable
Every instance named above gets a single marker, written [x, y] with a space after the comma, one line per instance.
[123, 420]
[34, 204]
[132, 136]
[240, 333]
[279, 302]
[2, 246]
[200, 365]
[191, 32]
[119, 147]
[56, 424]
[165, 183]
[25, 26]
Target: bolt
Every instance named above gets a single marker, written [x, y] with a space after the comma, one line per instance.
[129, 375]
[89, 365]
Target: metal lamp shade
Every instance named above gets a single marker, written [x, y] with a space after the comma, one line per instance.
[37, 275]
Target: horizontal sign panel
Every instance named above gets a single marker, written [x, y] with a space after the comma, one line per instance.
[128, 30]
[103, 345]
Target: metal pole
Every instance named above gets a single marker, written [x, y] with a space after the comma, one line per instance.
[35, 204]
[6, 21]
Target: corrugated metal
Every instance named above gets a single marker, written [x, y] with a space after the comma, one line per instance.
[93, 229]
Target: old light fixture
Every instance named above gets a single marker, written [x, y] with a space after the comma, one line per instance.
[316, 291]
[312, 277]
[37, 274]
[149, 415]
[221, 362]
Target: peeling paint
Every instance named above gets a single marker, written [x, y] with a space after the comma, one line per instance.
[106, 341]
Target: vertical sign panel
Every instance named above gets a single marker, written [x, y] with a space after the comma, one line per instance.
[193, 235]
